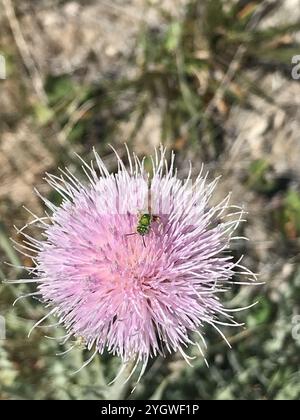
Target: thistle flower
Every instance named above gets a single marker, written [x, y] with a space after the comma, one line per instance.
[134, 263]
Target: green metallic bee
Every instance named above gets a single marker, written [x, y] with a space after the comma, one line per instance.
[145, 220]
[144, 225]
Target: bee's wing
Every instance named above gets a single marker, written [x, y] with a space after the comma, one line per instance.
[146, 208]
[149, 197]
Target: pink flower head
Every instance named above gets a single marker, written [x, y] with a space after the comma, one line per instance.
[135, 294]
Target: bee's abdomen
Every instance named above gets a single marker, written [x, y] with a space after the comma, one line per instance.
[142, 230]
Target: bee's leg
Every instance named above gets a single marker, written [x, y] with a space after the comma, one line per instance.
[144, 242]
[130, 234]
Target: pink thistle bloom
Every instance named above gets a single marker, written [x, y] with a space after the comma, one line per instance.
[136, 293]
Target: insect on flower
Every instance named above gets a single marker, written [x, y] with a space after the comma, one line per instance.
[134, 298]
[145, 220]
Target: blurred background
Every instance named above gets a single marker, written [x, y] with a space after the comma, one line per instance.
[218, 81]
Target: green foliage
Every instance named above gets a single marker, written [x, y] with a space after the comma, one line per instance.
[261, 178]
[287, 216]
[185, 64]
[184, 68]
